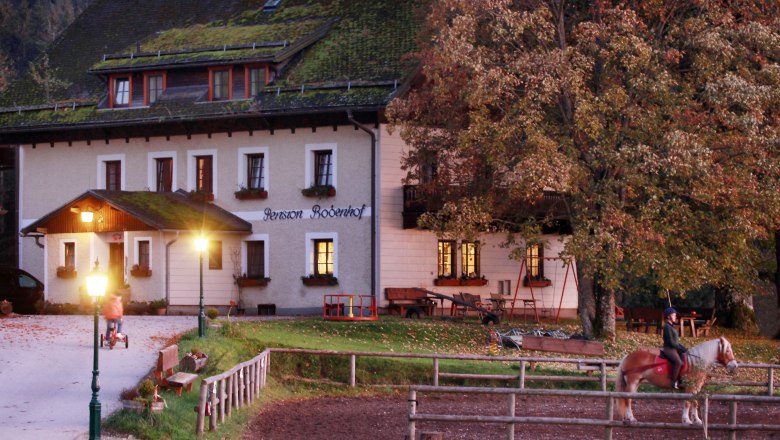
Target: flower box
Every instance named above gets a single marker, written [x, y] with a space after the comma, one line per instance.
[141, 272]
[474, 282]
[536, 283]
[65, 272]
[252, 282]
[200, 196]
[446, 282]
[251, 194]
[320, 281]
[319, 191]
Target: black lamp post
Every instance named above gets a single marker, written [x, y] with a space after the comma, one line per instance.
[201, 244]
[96, 287]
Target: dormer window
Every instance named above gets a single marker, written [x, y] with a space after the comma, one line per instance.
[255, 78]
[121, 89]
[154, 85]
[220, 83]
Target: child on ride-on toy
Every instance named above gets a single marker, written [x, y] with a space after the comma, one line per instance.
[113, 312]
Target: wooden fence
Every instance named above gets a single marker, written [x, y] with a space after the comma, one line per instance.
[608, 422]
[242, 384]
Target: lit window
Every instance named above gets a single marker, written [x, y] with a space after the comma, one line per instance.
[323, 257]
[446, 259]
[470, 259]
[534, 256]
[215, 255]
[323, 167]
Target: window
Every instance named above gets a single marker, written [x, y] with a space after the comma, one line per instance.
[469, 252]
[203, 174]
[255, 79]
[220, 81]
[446, 259]
[121, 91]
[69, 254]
[323, 168]
[215, 255]
[114, 175]
[255, 259]
[254, 177]
[428, 168]
[323, 257]
[154, 85]
[144, 255]
[534, 256]
[164, 174]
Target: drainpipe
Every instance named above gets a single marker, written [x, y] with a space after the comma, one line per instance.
[373, 202]
[167, 268]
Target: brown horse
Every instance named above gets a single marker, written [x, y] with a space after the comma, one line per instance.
[644, 365]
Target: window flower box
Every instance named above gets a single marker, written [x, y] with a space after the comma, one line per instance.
[319, 191]
[66, 272]
[473, 282]
[201, 196]
[315, 280]
[140, 272]
[251, 194]
[446, 282]
[536, 282]
[252, 282]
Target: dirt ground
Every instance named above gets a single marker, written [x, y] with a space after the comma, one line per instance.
[384, 418]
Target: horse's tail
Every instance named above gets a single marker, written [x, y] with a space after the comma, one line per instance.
[620, 386]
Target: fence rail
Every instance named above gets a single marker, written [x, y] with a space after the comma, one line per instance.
[510, 419]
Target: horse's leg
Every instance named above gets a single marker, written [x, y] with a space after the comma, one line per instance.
[686, 408]
[631, 386]
[696, 419]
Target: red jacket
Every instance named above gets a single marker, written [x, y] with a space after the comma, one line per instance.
[113, 309]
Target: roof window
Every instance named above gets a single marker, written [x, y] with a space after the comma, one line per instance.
[271, 5]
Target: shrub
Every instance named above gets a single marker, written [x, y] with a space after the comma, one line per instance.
[212, 313]
[146, 389]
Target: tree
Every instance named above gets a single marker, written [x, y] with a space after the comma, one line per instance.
[657, 120]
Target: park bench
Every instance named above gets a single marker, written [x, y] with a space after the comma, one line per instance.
[409, 301]
[166, 378]
[638, 317]
[468, 301]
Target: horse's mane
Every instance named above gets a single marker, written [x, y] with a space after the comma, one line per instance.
[704, 354]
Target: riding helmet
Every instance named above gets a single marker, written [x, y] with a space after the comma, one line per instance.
[669, 311]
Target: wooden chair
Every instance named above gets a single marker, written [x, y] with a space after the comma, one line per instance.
[704, 329]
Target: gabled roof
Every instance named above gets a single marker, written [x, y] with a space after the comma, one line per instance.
[154, 210]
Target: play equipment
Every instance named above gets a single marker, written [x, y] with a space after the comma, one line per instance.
[113, 338]
[349, 307]
[568, 263]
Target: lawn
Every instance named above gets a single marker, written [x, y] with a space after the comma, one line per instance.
[237, 341]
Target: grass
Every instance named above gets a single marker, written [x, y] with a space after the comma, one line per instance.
[238, 341]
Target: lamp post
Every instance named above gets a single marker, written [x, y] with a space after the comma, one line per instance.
[201, 245]
[96, 287]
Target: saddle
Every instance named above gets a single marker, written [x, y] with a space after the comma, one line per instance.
[663, 365]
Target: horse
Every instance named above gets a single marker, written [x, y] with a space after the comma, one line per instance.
[647, 365]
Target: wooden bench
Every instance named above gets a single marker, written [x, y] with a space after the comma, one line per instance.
[638, 317]
[408, 301]
[468, 301]
[166, 378]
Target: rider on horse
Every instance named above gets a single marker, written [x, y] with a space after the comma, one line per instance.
[672, 347]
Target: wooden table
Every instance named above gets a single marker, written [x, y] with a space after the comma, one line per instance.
[689, 319]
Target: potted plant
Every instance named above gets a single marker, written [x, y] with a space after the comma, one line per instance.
[66, 272]
[319, 280]
[446, 281]
[473, 280]
[319, 191]
[245, 193]
[140, 271]
[246, 281]
[159, 306]
[143, 398]
[536, 281]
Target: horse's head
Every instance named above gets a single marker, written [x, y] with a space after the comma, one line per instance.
[725, 355]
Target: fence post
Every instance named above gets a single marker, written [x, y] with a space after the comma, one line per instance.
[733, 419]
[771, 380]
[510, 427]
[706, 415]
[221, 401]
[201, 408]
[603, 379]
[352, 370]
[610, 415]
[229, 396]
[412, 408]
[213, 402]
[435, 371]
[522, 375]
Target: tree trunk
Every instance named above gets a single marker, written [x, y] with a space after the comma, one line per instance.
[604, 324]
[586, 307]
[777, 277]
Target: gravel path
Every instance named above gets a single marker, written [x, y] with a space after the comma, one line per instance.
[46, 370]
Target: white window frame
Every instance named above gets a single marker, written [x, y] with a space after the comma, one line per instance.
[136, 240]
[191, 168]
[309, 164]
[310, 237]
[101, 170]
[242, 164]
[61, 258]
[151, 169]
[266, 252]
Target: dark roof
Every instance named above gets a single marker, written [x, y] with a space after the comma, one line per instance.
[334, 55]
[161, 211]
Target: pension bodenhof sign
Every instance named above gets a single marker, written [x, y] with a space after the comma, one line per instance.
[316, 212]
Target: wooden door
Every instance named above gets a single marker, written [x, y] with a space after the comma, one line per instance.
[116, 266]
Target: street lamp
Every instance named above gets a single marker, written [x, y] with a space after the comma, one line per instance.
[201, 244]
[96, 288]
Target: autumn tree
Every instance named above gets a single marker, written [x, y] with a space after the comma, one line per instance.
[657, 121]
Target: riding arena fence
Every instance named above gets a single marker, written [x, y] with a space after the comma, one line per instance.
[242, 384]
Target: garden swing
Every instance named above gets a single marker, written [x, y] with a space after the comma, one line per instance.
[539, 284]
